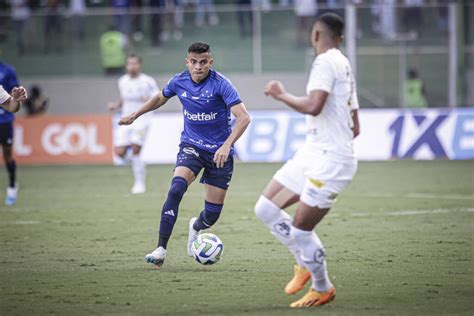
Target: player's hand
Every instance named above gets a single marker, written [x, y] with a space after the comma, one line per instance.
[221, 155]
[128, 119]
[275, 89]
[19, 94]
[112, 106]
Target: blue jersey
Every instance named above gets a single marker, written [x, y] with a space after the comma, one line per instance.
[206, 108]
[8, 80]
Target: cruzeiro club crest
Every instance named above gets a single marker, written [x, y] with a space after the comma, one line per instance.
[282, 228]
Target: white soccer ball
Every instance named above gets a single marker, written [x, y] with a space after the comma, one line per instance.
[207, 248]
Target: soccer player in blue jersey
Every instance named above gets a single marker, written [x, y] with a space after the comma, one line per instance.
[208, 99]
[9, 82]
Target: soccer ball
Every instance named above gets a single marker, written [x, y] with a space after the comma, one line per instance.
[207, 248]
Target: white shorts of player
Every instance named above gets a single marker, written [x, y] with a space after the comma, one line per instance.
[316, 178]
[125, 135]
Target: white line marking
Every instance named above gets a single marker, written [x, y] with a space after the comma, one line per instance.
[410, 212]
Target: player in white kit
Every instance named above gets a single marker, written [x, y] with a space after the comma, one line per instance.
[135, 88]
[322, 168]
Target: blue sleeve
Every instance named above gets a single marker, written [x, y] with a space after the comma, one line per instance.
[12, 81]
[229, 94]
[169, 89]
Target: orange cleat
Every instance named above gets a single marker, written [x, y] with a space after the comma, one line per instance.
[315, 298]
[301, 276]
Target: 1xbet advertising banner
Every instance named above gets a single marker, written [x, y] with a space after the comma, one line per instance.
[273, 136]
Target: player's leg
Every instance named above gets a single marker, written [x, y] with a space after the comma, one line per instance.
[322, 290]
[188, 165]
[139, 170]
[122, 141]
[270, 210]
[283, 191]
[10, 164]
[216, 182]
[6, 141]
[213, 204]
[323, 185]
[137, 139]
[182, 178]
[120, 151]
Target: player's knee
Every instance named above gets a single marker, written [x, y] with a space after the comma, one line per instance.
[120, 152]
[266, 210]
[179, 185]
[299, 235]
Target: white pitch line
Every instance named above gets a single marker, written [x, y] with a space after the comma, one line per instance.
[420, 196]
[411, 212]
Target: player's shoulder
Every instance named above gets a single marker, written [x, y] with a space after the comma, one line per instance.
[215, 75]
[123, 78]
[184, 75]
[180, 77]
[7, 68]
[147, 78]
[218, 78]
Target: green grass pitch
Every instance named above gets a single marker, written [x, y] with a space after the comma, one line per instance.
[399, 241]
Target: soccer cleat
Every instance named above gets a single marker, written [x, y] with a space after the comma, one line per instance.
[138, 188]
[12, 193]
[157, 257]
[315, 298]
[192, 235]
[300, 277]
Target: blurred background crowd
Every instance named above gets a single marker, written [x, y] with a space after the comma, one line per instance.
[405, 52]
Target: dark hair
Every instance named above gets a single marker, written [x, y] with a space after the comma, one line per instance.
[135, 56]
[334, 23]
[199, 48]
[412, 73]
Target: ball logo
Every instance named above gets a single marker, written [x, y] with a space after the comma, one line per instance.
[71, 139]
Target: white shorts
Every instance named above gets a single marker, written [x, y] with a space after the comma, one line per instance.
[126, 135]
[315, 178]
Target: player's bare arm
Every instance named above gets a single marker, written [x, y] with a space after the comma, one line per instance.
[242, 120]
[154, 103]
[17, 95]
[311, 104]
[355, 120]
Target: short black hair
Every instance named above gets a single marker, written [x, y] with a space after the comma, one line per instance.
[199, 48]
[334, 23]
[135, 56]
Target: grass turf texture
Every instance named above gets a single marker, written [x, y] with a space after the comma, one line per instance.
[399, 241]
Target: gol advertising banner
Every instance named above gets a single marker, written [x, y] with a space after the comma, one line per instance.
[63, 139]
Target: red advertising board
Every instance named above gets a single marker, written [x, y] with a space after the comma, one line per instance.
[63, 139]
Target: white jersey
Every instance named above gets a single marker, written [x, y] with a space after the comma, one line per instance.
[4, 96]
[330, 132]
[134, 92]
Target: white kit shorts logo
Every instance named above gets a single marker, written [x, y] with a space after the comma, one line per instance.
[200, 117]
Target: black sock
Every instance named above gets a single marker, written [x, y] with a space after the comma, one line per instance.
[163, 241]
[11, 168]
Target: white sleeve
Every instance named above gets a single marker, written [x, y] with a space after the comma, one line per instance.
[4, 96]
[354, 101]
[322, 76]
